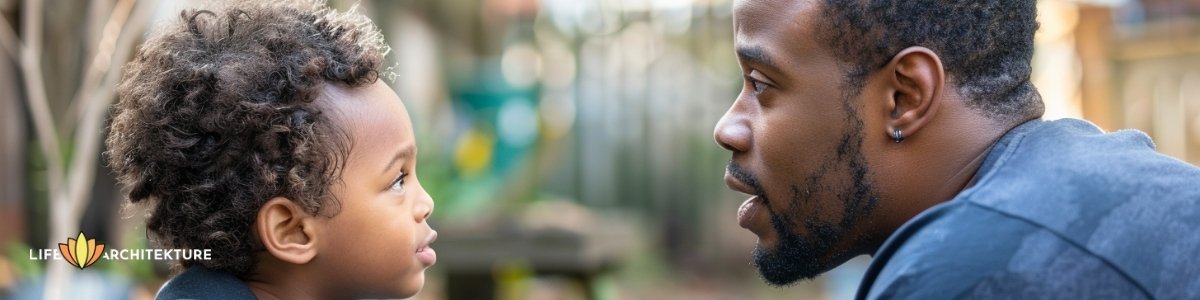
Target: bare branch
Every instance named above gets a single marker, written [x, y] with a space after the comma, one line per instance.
[8, 39]
[95, 18]
[32, 24]
[97, 102]
[43, 123]
[35, 88]
[101, 61]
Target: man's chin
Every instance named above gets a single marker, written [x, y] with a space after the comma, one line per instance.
[782, 270]
[792, 258]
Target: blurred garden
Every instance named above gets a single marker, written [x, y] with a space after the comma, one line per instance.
[567, 143]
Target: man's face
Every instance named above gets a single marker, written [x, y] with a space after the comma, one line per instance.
[796, 134]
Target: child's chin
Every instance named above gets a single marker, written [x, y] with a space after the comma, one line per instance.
[412, 286]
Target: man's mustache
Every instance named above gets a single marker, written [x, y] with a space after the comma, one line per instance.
[744, 176]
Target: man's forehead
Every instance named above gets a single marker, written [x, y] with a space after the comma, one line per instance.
[772, 30]
[775, 9]
[764, 16]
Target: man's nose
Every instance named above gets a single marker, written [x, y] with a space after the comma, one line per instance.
[733, 131]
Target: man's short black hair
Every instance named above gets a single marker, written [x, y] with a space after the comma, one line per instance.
[986, 46]
[217, 115]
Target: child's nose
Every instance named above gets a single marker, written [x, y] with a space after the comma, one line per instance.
[424, 207]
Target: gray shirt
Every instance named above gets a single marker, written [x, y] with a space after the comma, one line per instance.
[1060, 210]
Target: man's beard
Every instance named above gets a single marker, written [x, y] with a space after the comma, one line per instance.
[795, 257]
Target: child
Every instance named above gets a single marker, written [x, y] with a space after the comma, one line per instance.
[262, 132]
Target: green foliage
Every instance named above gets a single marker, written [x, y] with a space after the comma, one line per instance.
[18, 253]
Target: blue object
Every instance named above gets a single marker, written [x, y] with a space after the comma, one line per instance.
[201, 283]
[1060, 210]
[85, 284]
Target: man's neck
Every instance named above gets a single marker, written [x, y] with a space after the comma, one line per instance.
[962, 149]
[969, 174]
[943, 164]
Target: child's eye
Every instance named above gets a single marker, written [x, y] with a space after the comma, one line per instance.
[398, 184]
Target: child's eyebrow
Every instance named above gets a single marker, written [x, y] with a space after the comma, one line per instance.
[404, 152]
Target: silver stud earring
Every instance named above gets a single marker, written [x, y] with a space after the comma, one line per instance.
[899, 136]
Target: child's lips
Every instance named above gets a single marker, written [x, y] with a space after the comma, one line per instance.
[425, 253]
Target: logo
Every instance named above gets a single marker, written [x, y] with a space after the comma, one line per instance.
[80, 251]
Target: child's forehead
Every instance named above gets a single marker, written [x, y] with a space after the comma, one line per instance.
[371, 104]
[372, 116]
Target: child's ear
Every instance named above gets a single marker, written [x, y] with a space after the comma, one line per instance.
[287, 231]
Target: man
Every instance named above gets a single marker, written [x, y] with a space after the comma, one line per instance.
[908, 129]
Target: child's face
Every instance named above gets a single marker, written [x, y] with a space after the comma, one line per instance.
[377, 243]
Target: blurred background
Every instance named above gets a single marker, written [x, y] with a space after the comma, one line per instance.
[567, 143]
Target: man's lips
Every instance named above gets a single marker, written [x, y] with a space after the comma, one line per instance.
[749, 208]
[738, 185]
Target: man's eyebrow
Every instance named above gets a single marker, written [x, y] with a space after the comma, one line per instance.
[403, 153]
[755, 55]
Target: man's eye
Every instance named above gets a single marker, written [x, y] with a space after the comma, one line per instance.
[398, 185]
[758, 86]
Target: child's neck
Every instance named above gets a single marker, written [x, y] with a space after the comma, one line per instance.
[271, 281]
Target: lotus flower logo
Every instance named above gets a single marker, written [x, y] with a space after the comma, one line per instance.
[80, 251]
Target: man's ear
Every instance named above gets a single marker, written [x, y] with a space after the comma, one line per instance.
[917, 79]
[287, 231]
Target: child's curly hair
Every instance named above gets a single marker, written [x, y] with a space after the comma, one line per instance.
[217, 115]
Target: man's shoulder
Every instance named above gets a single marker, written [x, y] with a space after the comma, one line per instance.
[1073, 160]
[1109, 194]
[1057, 205]
[202, 283]
[1076, 153]
[963, 249]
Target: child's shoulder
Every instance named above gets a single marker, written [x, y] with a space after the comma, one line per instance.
[201, 283]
